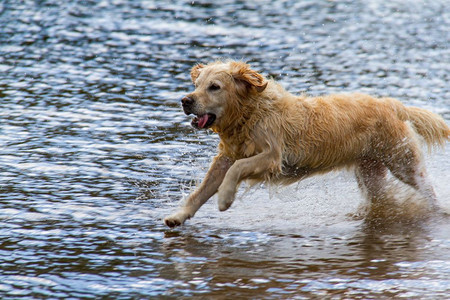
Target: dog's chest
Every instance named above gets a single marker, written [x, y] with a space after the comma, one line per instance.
[239, 150]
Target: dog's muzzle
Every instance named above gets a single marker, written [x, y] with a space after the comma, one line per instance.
[187, 103]
[201, 120]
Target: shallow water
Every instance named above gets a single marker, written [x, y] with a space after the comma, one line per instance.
[95, 151]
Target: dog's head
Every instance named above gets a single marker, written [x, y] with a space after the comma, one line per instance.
[220, 90]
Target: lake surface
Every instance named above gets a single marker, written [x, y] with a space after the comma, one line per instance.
[95, 151]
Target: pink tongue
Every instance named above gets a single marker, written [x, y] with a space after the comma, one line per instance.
[202, 120]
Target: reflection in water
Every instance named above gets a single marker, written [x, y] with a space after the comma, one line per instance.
[95, 150]
[274, 265]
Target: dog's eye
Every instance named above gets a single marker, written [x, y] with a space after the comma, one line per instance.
[214, 87]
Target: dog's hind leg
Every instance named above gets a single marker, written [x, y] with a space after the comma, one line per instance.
[413, 173]
[371, 178]
[407, 165]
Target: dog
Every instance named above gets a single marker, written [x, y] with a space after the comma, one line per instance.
[270, 135]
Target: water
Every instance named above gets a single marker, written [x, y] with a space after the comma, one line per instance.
[95, 151]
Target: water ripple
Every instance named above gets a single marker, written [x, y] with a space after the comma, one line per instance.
[95, 150]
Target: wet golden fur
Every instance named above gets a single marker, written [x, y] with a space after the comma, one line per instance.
[268, 134]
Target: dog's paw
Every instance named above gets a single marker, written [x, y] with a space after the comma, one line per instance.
[177, 219]
[226, 198]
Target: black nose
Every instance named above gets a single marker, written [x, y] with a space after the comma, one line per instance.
[187, 101]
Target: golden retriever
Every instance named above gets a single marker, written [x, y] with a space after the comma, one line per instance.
[268, 134]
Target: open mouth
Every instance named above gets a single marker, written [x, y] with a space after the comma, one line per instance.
[203, 121]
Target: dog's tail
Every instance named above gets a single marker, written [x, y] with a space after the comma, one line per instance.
[430, 126]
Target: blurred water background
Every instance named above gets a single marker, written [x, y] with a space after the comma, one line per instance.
[95, 150]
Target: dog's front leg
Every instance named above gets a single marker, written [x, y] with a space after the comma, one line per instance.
[206, 190]
[255, 166]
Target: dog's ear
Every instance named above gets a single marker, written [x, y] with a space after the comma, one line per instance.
[195, 71]
[242, 73]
